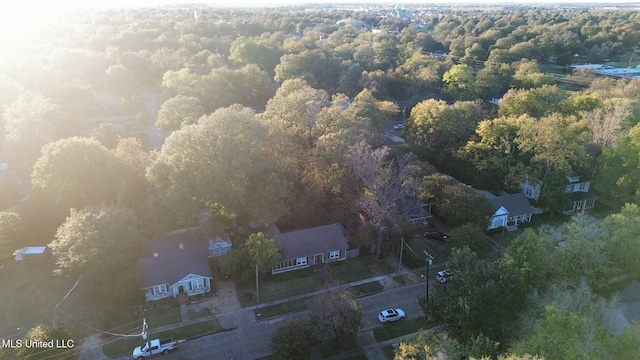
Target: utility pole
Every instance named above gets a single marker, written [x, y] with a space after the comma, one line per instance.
[257, 289]
[401, 248]
[429, 262]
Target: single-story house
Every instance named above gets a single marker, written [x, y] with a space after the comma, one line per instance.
[32, 253]
[509, 210]
[176, 264]
[306, 247]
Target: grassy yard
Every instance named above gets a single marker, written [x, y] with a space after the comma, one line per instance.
[390, 351]
[125, 322]
[329, 347]
[119, 347]
[268, 312]
[367, 289]
[398, 328]
[281, 309]
[29, 297]
[275, 287]
[402, 279]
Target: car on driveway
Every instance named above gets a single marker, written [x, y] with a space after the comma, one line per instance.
[444, 275]
[436, 235]
[389, 315]
[398, 127]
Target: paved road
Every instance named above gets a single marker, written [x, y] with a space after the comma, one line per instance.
[251, 340]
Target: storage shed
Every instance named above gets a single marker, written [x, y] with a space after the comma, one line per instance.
[32, 253]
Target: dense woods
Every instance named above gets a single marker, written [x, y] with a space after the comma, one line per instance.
[130, 122]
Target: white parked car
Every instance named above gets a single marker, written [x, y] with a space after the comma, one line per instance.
[398, 127]
[389, 315]
[444, 275]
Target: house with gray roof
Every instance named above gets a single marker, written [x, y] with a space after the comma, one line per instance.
[176, 264]
[306, 247]
[509, 210]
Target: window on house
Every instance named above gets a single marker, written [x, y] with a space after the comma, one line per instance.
[159, 289]
[197, 284]
[301, 261]
[334, 254]
[583, 186]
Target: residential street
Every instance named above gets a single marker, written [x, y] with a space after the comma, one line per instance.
[251, 339]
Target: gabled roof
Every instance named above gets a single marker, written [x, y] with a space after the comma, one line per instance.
[515, 204]
[170, 258]
[306, 242]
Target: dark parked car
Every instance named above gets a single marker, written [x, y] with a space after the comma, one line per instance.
[436, 235]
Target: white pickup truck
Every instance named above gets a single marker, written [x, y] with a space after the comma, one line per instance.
[154, 347]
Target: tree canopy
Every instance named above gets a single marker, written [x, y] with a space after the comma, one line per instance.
[219, 163]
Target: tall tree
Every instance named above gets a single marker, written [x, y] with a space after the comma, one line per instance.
[264, 251]
[29, 124]
[337, 314]
[619, 174]
[442, 128]
[481, 298]
[460, 204]
[252, 51]
[9, 223]
[100, 244]
[460, 82]
[292, 340]
[555, 142]
[493, 149]
[219, 163]
[623, 230]
[386, 182]
[77, 172]
[536, 102]
[607, 123]
[178, 111]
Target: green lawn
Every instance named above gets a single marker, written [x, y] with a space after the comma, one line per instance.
[402, 279]
[125, 346]
[367, 289]
[329, 347]
[125, 322]
[389, 351]
[29, 295]
[275, 287]
[398, 328]
[359, 268]
[281, 309]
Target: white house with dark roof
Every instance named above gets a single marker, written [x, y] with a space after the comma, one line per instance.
[509, 210]
[176, 264]
[306, 247]
[577, 190]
